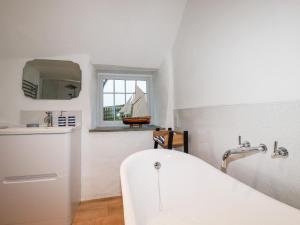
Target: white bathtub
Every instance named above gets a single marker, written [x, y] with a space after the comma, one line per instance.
[193, 192]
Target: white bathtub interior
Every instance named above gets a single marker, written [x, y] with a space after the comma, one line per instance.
[193, 192]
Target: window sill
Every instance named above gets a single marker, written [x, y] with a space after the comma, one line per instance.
[123, 128]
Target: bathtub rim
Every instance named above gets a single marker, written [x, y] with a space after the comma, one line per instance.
[129, 214]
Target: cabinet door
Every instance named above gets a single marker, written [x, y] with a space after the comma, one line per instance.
[39, 154]
[42, 201]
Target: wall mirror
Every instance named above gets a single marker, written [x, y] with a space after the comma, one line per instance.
[51, 79]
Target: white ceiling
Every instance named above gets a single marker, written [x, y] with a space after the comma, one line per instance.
[114, 32]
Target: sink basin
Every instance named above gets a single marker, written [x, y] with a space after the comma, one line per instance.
[35, 130]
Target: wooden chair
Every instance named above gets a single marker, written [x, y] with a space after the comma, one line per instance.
[170, 139]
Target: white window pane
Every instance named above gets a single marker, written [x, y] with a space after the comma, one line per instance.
[142, 85]
[128, 96]
[108, 85]
[120, 86]
[130, 86]
[108, 100]
[119, 99]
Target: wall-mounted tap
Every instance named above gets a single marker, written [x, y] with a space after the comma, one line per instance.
[244, 144]
[49, 119]
[280, 152]
[242, 149]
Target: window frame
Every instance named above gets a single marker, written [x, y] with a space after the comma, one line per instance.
[119, 76]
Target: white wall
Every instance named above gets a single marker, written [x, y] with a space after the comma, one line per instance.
[163, 90]
[102, 153]
[12, 98]
[103, 159]
[130, 33]
[231, 52]
[236, 53]
[214, 130]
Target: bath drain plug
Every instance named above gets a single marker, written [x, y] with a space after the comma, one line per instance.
[157, 165]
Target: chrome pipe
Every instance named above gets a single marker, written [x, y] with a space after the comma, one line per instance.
[240, 151]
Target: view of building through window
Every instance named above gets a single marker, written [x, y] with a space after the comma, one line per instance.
[116, 93]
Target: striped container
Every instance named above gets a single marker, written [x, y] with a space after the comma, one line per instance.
[71, 121]
[62, 122]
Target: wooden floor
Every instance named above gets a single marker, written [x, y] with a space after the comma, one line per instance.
[100, 212]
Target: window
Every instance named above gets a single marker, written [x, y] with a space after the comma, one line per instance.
[114, 91]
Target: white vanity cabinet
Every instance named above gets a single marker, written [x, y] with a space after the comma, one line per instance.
[40, 170]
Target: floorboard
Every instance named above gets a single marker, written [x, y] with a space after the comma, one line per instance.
[107, 211]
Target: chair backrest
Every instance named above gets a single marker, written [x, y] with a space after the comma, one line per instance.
[170, 139]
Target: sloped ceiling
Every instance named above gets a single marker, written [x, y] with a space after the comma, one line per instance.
[114, 32]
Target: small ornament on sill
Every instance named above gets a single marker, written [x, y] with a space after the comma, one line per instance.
[135, 112]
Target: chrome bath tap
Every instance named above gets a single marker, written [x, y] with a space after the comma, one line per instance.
[280, 152]
[49, 119]
[242, 149]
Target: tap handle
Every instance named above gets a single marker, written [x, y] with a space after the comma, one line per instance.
[279, 152]
[244, 144]
[275, 145]
[61, 112]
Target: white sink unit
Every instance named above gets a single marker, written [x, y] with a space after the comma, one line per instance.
[40, 175]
